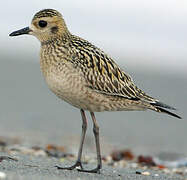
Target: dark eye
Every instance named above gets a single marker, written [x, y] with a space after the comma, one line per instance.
[42, 23]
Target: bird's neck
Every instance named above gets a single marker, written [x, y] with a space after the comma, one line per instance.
[64, 37]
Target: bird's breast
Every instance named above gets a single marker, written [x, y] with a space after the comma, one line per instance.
[66, 82]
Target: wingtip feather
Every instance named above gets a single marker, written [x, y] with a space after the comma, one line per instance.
[163, 105]
[167, 112]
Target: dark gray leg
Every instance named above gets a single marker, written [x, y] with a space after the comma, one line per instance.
[96, 134]
[84, 128]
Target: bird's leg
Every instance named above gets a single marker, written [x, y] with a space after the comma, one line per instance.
[84, 128]
[96, 134]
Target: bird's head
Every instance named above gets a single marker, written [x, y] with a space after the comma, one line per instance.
[46, 25]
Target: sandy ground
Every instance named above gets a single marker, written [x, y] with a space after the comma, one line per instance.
[39, 168]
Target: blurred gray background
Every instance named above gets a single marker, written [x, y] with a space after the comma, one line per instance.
[146, 38]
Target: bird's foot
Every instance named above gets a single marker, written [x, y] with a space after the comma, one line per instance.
[77, 164]
[96, 170]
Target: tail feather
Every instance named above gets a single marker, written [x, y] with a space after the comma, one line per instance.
[158, 109]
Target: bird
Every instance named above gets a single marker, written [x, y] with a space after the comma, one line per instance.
[84, 76]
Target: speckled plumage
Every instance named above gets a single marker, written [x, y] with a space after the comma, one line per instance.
[92, 80]
[87, 78]
[84, 76]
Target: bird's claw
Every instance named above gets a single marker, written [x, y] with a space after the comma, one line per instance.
[96, 170]
[77, 164]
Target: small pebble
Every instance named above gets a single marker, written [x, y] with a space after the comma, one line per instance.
[146, 160]
[122, 154]
[167, 171]
[62, 159]
[108, 159]
[115, 164]
[122, 163]
[40, 153]
[7, 158]
[2, 175]
[146, 173]
[134, 165]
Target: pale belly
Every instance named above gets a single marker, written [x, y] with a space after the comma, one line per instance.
[72, 90]
[71, 87]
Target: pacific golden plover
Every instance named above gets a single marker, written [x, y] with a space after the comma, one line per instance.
[84, 76]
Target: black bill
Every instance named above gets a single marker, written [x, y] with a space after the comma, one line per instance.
[21, 31]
